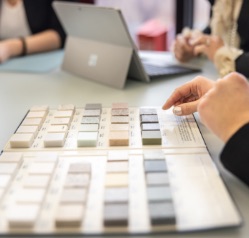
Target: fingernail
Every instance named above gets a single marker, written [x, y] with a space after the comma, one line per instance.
[177, 111]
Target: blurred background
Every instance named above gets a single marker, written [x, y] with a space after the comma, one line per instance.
[153, 24]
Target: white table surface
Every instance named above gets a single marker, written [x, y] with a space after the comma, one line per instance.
[20, 91]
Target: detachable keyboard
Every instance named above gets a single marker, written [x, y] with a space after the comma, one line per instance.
[118, 170]
[169, 70]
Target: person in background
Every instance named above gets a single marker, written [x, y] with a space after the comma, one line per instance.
[223, 108]
[225, 42]
[27, 27]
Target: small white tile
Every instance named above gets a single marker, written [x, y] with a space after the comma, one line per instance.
[24, 215]
[89, 127]
[36, 181]
[7, 168]
[87, 139]
[10, 157]
[73, 195]
[69, 215]
[32, 122]
[30, 195]
[4, 180]
[63, 114]
[92, 113]
[54, 139]
[41, 168]
[59, 128]
[61, 121]
[39, 108]
[38, 114]
[65, 107]
[27, 130]
[21, 140]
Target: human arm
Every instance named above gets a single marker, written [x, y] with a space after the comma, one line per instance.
[46, 32]
[224, 110]
[40, 42]
[186, 97]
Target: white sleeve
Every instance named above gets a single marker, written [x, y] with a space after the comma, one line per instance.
[224, 59]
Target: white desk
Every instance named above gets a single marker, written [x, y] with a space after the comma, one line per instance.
[18, 92]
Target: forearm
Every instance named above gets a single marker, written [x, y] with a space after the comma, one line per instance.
[44, 41]
[40, 42]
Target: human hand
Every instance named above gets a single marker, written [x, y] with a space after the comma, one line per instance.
[181, 48]
[185, 98]
[225, 107]
[207, 45]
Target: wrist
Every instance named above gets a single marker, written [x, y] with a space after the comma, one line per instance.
[232, 129]
[16, 47]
